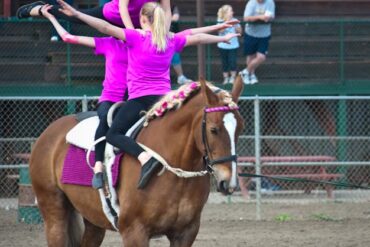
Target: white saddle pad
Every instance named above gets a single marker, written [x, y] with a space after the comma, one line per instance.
[83, 134]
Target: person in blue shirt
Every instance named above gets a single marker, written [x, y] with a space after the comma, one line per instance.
[228, 51]
[258, 14]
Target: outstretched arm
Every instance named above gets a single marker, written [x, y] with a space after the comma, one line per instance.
[67, 37]
[99, 24]
[203, 38]
[214, 28]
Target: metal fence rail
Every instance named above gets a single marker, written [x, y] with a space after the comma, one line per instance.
[324, 137]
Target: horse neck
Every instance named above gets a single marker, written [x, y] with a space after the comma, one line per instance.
[178, 136]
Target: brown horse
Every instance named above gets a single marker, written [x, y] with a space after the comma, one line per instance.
[188, 137]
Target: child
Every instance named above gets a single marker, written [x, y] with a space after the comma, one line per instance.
[114, 85]
[228, 51]
[149, 57]
[176, 59]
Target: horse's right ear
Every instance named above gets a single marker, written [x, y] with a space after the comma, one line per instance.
[237, 88]
[210, 97]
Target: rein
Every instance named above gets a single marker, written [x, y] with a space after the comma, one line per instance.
[290, 179]
[207, 158]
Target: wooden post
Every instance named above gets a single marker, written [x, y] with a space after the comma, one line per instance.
[201, 48]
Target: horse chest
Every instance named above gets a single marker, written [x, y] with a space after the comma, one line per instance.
[187, 210]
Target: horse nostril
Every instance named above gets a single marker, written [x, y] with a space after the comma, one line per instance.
[224, 187]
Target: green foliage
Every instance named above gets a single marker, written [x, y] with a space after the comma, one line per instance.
[323, 217]
[283, 217]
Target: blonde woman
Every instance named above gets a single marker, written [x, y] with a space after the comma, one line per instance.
[150, 51]
[228, 51]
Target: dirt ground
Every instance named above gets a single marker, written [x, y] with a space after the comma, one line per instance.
[234, 224]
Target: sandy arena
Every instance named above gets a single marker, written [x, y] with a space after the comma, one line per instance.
[233, 224]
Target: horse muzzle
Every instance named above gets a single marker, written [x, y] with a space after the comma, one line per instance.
[224, 188]
[223, 177]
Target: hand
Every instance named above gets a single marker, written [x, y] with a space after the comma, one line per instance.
[45, 11]
[227, 24]
[265, 18]
[67, 9]
[232, 22]
[229, 36]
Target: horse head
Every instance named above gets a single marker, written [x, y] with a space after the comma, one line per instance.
[198, 127]
[220, 128]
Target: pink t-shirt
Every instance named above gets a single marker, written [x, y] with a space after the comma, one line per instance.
[148, 70]
[115, 83]
[111, 11]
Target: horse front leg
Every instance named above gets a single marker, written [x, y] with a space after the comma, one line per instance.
[186, 236]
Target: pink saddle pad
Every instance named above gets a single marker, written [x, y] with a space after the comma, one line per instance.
[76, 170]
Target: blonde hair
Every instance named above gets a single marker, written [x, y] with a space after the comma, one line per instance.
[221, 14]
[156, 17]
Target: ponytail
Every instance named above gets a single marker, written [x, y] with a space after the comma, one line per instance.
[159, 30]
[155, 14]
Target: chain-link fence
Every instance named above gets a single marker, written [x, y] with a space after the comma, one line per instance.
[320, 138]
[315, 138]
[316, 52]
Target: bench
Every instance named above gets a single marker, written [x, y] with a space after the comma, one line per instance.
[307, 167]
[21, 156]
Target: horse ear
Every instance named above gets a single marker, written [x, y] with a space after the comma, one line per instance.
[237, 88]
[210, 97]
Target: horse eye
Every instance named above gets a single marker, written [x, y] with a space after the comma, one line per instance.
[214, 130]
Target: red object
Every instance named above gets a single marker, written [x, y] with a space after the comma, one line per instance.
[7, 8]
[23, 156]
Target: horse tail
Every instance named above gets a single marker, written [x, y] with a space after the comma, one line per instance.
[75, 228]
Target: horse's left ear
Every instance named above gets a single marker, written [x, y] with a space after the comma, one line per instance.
[210, 97]
[237, 88]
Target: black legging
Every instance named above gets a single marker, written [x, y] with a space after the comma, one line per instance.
[127, 116]
[95, 12]
[102, 129]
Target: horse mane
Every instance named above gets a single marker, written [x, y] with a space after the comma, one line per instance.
[176, 98]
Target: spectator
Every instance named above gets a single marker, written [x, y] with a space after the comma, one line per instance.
[258, 14]
[176, 59]
[228, 51]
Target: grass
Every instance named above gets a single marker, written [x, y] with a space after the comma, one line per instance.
[323, 217]
[283, 217]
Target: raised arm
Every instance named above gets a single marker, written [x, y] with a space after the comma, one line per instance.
[203, 38]
[64, 34]
[125, 15]
[99, 24]
[166, 6]
[175, 14]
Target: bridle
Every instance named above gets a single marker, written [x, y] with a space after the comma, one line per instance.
[207, 158]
